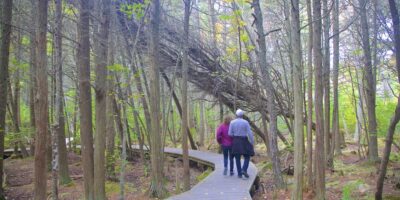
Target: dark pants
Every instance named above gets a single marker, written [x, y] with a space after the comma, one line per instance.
[227, 151]
[246, 162]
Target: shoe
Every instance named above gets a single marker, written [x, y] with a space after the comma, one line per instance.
[225, 171]
[246, 175]
[240, 176]
[232, 173]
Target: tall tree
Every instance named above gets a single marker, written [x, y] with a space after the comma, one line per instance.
[335, 115]
[32, 70]
[157, 160]
[309, 97]
[326, 81]
[101, 100]
[369, 85]
[85, 98]
[396, 117]
[41, 103]
[6, 18]
[59, 119]
[319, 146]
[298, 101]
[185, 66]
[265, 70]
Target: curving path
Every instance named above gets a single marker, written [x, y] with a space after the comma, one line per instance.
[216, 186]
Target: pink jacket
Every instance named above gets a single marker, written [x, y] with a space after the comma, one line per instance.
[222, 135]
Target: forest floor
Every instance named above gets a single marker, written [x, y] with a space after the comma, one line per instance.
[19, 179]
[352, 178]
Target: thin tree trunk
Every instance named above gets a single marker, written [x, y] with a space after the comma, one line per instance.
[309, 98]
[85, 99]
[319, 146]
[396, 117]
[4, 59]
[32, 70]
[369, 85]
[41, 106]
[265, 70]
[185, 117]
[298, 101]
[335, 117]
[59, 122]
[326, 83]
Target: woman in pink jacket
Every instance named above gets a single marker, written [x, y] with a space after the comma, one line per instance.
[226, 144]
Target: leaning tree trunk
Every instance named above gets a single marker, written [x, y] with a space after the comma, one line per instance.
[396, 117]
[298, 101]
[41, 106]
[4, 58]
[85, 99]
[265, 70]
[319, 146]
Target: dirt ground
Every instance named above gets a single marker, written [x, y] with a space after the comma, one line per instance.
[352, 178]
[19, 179]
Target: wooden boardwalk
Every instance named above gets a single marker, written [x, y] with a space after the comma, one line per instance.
[216, 186]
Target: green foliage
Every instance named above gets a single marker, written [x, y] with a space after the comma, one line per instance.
[135, 9]
[204, 175]
[349, 188]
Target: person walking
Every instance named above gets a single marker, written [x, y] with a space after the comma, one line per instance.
[226, 144]
[243, 141]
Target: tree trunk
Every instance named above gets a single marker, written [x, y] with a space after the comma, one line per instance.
[203, 121]
[85, 99]
[4, 58]
[101, 102]
[185, 117]
[157, 163]
[326, 83]
[319, 146]
[369, 84]
[396, 117]
[41, 106]
[298, 101]
[59, 122]
[265, 70]
[309, 98]
[335, 117]
[32, 70]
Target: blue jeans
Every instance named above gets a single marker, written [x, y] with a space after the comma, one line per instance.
[246, 162]
[227, 151]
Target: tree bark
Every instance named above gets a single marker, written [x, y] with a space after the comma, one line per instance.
[326, 80]
[157, 163]
[85, 99]
[41, 102]
[101, 101]
[6, 17]
[59, 122]
[369, 86]
[298, 101]
[309, 98]
[335, 116]
[319, 146]
[184, 88]
[396, 117]
[265, 70]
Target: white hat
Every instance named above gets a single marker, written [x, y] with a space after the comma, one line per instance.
[239, 113]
